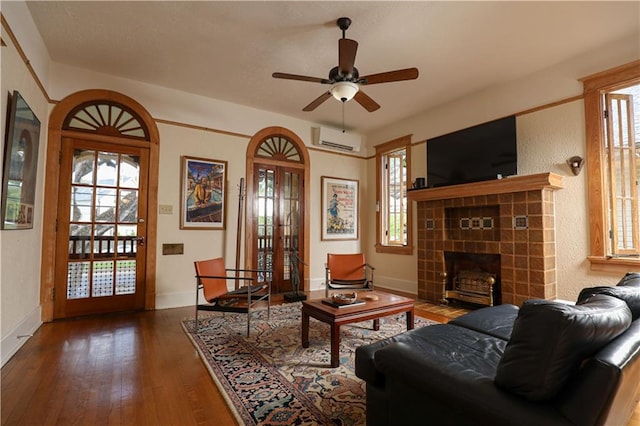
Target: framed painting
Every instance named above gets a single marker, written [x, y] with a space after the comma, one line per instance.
[203, 193]
[340, 209]
[20, 165]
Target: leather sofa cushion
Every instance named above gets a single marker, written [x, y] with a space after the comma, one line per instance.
[550, 339]
[496, 321]
[442, 344]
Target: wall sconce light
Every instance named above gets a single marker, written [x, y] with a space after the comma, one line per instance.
[575, 163]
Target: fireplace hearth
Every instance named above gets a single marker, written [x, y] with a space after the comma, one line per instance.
[508, 225]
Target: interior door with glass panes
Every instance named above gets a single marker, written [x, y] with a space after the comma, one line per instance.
[278, 217]
[101, 228]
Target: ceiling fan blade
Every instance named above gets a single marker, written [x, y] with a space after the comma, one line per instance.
[364, 100]
[347, 49]
[320, 99]
[300, 78]
[387, 77]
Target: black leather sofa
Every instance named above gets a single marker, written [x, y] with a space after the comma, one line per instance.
[547, 363]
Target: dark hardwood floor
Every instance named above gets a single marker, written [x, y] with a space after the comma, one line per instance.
[126, 369]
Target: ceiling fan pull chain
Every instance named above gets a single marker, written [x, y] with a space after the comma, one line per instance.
[343, 117]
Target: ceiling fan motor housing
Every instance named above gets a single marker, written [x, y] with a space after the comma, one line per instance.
[343, 23]
[335, 76]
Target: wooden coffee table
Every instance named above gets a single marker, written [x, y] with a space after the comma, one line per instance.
[387, 304]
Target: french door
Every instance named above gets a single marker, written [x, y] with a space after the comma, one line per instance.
[279, 203]
[101, 228]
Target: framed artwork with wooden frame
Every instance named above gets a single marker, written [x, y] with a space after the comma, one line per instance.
[340, 208]
[20, 165]
[203, 193]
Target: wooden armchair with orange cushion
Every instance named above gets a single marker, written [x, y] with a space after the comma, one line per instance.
[347, 272]
[212, 278]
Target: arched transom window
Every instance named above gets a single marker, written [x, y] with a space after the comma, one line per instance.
[106, 118]
[279, 148]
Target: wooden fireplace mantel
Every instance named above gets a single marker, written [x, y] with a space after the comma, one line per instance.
[498, 186]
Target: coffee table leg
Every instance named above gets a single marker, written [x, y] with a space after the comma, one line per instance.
[305, 329]
[376, 324]
[335, 345]
[410, 319]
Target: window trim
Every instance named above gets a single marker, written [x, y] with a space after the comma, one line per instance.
[381, 150]
[594, 88]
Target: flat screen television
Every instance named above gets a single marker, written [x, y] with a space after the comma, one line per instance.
[483, 152]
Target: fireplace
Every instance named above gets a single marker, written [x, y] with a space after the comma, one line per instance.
[507, 227]
[472, 277]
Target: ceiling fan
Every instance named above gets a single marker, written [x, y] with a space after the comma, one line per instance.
[345, 79]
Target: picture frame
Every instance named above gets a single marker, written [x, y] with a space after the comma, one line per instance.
[340, 208]
[203, 188]
[20, 169]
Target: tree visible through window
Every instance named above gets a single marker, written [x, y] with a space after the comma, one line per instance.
[393, 161]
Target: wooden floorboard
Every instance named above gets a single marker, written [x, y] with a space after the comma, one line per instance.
[125, 369]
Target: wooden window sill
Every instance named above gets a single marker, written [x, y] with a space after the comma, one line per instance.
[407, 250]
[614, 264]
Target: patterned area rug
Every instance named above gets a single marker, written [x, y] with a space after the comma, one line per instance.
[269, 379]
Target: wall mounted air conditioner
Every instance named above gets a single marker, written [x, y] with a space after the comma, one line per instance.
[336, 139]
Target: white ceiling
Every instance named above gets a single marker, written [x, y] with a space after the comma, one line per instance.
[228, 50]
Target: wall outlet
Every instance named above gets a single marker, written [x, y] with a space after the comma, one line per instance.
[165, 209]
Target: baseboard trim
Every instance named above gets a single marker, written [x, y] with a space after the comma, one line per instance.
[175, 300]
[396, 292]
[396, 286]
[20, 334]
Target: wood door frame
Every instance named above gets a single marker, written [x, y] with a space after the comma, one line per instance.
[255, 141]
[52, 171]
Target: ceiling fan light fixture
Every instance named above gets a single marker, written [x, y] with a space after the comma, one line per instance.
[344, 91]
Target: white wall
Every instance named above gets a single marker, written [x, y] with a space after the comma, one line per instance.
[20, 249]
[546, 139]
[174, 273]
[174, 286]
[323, 164]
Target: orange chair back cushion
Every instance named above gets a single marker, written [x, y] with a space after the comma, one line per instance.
[347, 267]
[212, 287]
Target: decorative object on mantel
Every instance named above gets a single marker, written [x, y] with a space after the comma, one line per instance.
[575, 163]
